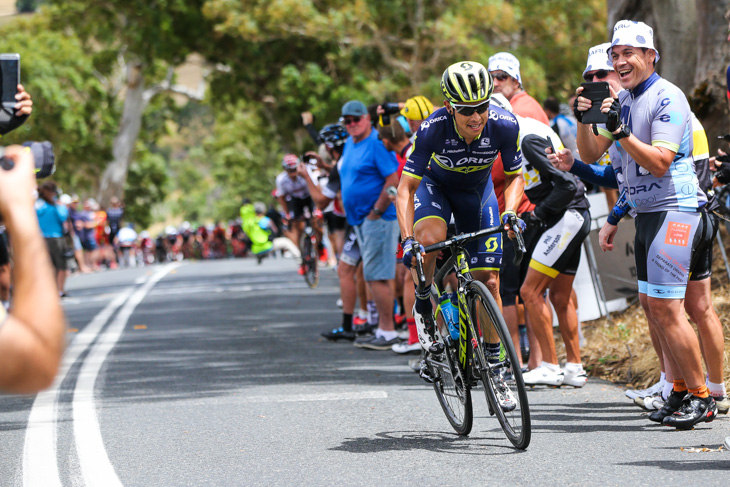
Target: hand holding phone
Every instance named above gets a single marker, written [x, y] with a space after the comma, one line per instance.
[596, 92]
[10, 71]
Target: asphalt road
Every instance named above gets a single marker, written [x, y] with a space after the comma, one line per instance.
[214, 374]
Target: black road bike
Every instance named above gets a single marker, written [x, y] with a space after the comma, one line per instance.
[482, 353]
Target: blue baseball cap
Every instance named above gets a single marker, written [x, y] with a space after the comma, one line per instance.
[354, 108]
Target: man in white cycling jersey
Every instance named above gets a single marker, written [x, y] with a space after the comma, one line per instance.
[650, 124]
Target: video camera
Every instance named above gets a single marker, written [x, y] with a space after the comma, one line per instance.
[390, 109]
[45, 160]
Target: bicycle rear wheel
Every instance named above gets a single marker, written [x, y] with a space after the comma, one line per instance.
[499, 367]
[309, 261]
[451, 387]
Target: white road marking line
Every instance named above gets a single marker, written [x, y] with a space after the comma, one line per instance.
[325, 396]
[96, 469]
[40, 462]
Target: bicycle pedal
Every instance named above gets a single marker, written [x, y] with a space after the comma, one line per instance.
[436, 348]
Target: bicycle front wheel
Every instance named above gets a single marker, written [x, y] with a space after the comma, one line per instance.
[309, 261]
[498, 366]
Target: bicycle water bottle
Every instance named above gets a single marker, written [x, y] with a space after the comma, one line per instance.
[450, 314]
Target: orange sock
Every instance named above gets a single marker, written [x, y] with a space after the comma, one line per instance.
[701, 391]
[680, 386]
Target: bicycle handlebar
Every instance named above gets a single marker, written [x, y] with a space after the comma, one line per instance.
[465, 237]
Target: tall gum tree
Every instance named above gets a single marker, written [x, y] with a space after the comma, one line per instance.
[138, 43]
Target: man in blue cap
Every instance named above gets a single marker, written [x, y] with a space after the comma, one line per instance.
[367, 169]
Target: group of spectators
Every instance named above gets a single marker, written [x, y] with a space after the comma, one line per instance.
[539, 176]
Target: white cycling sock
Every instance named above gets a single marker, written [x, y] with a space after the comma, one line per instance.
[573, 367]
[388, 335]
[663, 377]
[668, 387]
[716, 389]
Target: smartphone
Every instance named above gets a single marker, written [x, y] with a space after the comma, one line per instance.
[596, 92]
[10, 71]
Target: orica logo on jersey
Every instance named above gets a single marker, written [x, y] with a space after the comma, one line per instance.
[427, 123]
[465, 164]
[644, 188]
[494, 116]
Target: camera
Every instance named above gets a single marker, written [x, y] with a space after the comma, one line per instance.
[390, 109]
[45, 160]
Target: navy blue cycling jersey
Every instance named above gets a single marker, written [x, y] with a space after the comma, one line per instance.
[441, 150]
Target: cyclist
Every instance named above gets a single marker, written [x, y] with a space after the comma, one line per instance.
[651, 125]
[448, 172]
[294, 197]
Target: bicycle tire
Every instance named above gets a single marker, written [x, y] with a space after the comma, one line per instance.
[487, 319]
[451, 387]
[309, 260]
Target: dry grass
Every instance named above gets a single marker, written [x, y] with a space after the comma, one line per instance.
[619, 349]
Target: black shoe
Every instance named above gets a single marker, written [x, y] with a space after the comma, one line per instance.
[694, 410]
[364, 329]
[671, 405]
[339, 334]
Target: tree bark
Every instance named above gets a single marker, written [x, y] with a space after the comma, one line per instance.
[115, 175]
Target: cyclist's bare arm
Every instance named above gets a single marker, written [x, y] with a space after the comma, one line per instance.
[319, 199]
[404, 204]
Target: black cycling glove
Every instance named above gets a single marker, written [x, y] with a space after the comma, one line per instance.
[614, 116]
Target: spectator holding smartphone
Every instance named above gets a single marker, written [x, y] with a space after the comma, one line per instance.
[31, 336]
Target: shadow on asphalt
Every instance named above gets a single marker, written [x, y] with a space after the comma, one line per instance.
[683, 466]
[429, 441]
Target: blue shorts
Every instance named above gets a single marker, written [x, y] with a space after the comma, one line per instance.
[351, 250]
[473, 209]
[377, 240]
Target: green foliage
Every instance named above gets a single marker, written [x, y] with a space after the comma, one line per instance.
[146, 181]
[71, 107]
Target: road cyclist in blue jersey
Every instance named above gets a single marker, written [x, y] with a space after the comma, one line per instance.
[650, 124]
[449, 172]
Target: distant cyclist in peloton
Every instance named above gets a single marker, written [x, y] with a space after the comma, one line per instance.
[294, 197]
[449, 171]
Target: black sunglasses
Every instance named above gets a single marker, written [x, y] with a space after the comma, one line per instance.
[600, 74]
[350, 121]
[500, 76]
[468, 110]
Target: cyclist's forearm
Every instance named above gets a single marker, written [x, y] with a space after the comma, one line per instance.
[514, 190]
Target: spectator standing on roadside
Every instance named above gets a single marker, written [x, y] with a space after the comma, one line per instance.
[367, 170]
[51, 218]
[505, 71]
[32, 336]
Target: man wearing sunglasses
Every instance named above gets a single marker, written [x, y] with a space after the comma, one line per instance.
[449, 173]
[366, 171]
[505, 71]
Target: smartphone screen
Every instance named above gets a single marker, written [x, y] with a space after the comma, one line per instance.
[596, 92]
[10, 70]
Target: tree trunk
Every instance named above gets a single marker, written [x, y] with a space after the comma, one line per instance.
[691, 38]
[708, 96]
[115, 175]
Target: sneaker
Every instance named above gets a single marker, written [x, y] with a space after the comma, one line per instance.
[404, 348]
[505, 397]
[399, 320]
[360, 341]
[722, 403]
[651, 403]
[575, 378]
[380, 343]
[364, 329]
[357, 321]
[404, 334]
[427, 341]
[301, 270]
[543, 376]
[634, 393]
[670, 406]
[694, 410]
[339, 334]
